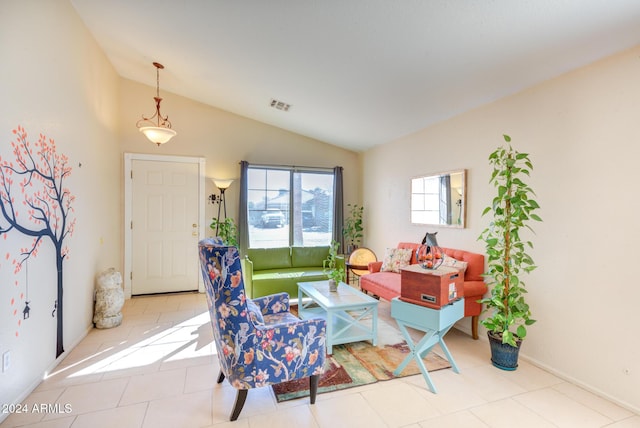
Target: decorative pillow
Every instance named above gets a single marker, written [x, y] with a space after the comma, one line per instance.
[395, 259]
[453, 263]
[254, 313]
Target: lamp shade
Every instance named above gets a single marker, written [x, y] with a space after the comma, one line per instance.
[222, 183]
[158, 135]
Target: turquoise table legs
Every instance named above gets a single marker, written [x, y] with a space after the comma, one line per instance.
[434, 323]
[426, 343]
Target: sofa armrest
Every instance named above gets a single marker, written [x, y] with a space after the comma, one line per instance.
[273, 303]
[247, 275]
[375, 266]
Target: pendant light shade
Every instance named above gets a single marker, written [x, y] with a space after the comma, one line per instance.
[157, 134]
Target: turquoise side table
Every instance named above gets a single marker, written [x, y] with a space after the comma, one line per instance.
[434, 323]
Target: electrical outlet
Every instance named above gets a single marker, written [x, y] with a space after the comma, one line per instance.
[6, 361]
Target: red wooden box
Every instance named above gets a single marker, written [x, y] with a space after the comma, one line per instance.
[433, 288]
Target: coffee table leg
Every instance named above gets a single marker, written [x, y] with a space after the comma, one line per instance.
[375, 326]
[330, 321]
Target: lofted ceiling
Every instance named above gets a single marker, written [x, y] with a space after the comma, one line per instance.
[357, 73]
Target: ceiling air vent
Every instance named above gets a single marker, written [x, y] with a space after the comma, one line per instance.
[280, 105]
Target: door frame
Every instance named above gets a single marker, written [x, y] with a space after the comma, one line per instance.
[128, 245]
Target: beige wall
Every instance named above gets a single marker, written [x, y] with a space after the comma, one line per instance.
[56, 81]
[582, 132]
[224, 139]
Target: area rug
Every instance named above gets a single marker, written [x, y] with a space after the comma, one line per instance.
[361, 363]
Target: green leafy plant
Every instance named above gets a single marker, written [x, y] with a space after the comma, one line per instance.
[227, 230]
[330, 264]
[513, 208]
[353, 229]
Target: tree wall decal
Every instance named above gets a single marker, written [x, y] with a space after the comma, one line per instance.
[35, 202]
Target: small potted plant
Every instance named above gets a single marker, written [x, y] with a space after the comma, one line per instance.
[331, 268]
[353, 228]
[513, 208]
[226, 230]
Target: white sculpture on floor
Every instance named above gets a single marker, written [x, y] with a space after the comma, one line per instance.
[109, 299]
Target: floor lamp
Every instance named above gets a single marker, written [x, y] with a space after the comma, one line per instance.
[222, 185]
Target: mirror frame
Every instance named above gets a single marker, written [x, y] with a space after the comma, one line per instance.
[462, 200]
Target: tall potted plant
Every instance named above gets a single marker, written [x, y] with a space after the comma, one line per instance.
[513, 208]
[353, 229]
[227, 230]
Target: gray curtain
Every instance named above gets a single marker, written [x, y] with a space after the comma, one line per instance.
[445, 200]
[243, 216]
[338, 207]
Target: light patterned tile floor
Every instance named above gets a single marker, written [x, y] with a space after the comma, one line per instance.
[158, 369]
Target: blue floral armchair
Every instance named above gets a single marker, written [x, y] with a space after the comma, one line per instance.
[259, 342]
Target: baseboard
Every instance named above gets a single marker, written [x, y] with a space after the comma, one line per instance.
[23, 396]
[581, 384]
[483, 337]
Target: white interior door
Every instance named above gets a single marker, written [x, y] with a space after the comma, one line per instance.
[164, 226]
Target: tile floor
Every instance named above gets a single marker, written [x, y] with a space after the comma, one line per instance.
[158, 370]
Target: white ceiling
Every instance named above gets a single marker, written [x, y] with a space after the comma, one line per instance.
[357, 72]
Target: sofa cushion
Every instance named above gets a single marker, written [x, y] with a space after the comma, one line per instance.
[269, 258]
[455, 263]
[475, 267]
[383, 284]
[298, 274]
[284, 280]
[413, 247]
[395, 259]
[308, 256]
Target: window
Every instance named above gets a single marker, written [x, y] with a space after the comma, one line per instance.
[289, 207]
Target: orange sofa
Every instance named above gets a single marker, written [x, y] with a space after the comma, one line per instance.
[387, 284]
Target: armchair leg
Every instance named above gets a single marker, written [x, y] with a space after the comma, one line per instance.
[220, 377]
[313, 387]
[474, 326]
[241, 397]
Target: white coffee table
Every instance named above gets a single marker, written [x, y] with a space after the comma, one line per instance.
[346, 311]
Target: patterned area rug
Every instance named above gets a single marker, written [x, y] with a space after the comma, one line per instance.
[361, 363]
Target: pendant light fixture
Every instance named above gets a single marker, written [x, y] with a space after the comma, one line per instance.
[158, 132]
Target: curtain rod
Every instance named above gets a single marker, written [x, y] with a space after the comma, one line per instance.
[294, 167]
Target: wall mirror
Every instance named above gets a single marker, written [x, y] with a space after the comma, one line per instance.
[439, 199]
